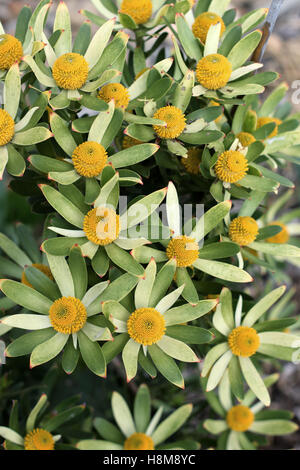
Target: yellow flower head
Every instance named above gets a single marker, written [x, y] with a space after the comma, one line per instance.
[39, 439]
[246, 138]
[67, 315]
[129, 142]
[192, 161]
[243, 341]
[89, 159]
[175, 120]
[115, 91]
[213, 71]
[41, 267]
[239, 418]
[101, 225]
[11, 51]
[203, 22]
[139, 441]
[267, 120]
[70, 71]
[243, 230]
[7, 127]
[146, 326]
[281, 237]
[231, 166]
[139, 10]
[184, 249]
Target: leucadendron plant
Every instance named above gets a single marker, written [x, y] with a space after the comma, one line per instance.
[155, 163]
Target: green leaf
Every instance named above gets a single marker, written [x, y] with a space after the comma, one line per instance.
[25, 296]
[183, 91]
[61, 246]
[219, 250]
[166, 366]
[70, 357]
[122, 414]
[13, 251]
[223, 271]
[274, 427]
[236, 378]
[108, 431]
[243, 49]
[62, 418]
[12, 90]
[26, 343]
[48, 350]
[276, 249]
[189, 334]
[188, 41]
[142, 408]
[201, 138]
[62, 22]
[99, 43]
[124, 260]
[92, 355]
[259, 183]
[78, 271]
[111, 349]
[188, 312]
[171, 424]
[162, 282]
[32, 417]
[32, 136]
[47, 164]
[11, 435]
[254, 380]
[133, 155]
[262, 306]
[62, 134]
[63, 206]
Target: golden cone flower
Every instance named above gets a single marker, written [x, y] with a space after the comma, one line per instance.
[184, 249]
[116, 92]
[246, 138]
[11, 51]
[89, 159]
[39, 439]
[231, 166]
[7, 127]
[239, 418]
[213, 71]
[139, 441]
[70, 71]
[146, 326]
[102, 225]
[243, 230]
[139, 10]
[192, 161]
[203, 22]
[175, 120]
[67, 315]
[243, 341]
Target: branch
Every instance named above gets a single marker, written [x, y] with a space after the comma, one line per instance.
[267, 29]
